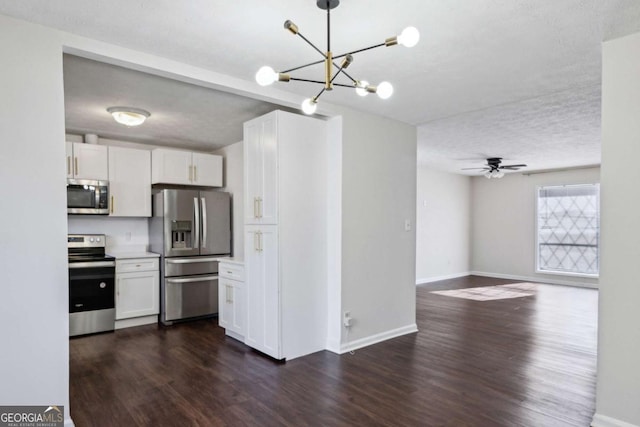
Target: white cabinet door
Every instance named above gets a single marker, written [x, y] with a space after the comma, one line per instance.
[269, 198]
[238, 301]
[171, 167]
[207, 170]
[129, 182]
[137, 294]
[90, 161]
[261, 170]
[252, 170]
[225, 306]
[262, 288]
[231, 305]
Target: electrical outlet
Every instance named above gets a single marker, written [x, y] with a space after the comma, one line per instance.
[347, 319]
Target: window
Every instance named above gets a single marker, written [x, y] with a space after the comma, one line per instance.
[569, 229]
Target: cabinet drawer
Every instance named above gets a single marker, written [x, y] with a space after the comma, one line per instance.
[137, 264]
[231, 271]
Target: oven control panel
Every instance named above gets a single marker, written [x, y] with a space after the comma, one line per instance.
[86, 240]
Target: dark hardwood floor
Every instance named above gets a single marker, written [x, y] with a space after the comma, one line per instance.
[527, 361]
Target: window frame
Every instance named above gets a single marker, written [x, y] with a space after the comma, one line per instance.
[537, 232]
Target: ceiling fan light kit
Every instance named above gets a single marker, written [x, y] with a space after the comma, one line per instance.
[267, 75]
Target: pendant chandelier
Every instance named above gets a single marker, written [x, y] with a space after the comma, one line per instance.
[266, 75]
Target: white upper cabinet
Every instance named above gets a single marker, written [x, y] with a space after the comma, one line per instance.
[185, 168]
[171, 167]
[207, 169]
[87, 161]
[129, 182]
[261, 170]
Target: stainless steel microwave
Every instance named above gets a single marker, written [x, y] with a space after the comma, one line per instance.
[87, 197]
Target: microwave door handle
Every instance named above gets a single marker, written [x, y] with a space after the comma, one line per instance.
[196, 226]
[97, 204]
[203, 204]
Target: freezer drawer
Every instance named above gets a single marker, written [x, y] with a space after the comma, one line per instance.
[187, 297]
[187, 266]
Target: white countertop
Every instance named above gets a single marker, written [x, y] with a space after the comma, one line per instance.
[232, 260]
[131, 255]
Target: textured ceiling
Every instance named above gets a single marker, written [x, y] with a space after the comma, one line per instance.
[182, 115]
[475, 58]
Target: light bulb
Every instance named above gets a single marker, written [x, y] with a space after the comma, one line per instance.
[266, 75]
[360, 89]
[487, 175]
[385, 90]
[309, 106]
[409, 37]
[499, 174]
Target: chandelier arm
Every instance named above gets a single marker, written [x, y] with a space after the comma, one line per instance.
[347, 75]
[303, 66]
[318, 95]
[360, 50]
[319, 82]
[312, 45]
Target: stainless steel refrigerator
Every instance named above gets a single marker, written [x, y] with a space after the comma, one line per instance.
[190, 229]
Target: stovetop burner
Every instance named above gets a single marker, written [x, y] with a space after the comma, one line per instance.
[90, 258]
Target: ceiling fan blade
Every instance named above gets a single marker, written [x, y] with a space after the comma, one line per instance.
[512, 166]
[474, 169]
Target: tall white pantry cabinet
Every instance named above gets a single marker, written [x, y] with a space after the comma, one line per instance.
[285, 184]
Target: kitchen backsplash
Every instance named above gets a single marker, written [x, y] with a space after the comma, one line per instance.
[122, 233]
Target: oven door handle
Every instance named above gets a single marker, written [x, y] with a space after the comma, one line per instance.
[92, 264]
[193, 279]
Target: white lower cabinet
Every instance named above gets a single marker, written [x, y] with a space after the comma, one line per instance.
[232, 299]
[263, 293]
[137, 288]
[231, 305]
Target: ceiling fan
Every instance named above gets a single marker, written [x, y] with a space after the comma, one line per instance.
[494, 169]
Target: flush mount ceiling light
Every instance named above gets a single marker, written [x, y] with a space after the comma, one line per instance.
[128, 116]
[267, 75]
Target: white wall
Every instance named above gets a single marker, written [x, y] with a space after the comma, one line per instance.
[443, 225]
[123, 234]
[34, 326]
[618, 390]
[503, 226]
[234, 183]
[378, 255]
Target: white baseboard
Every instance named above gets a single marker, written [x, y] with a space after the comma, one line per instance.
[333, 345]
[439, 278]
[374, 339]
[136, 321]
[600, 420]
[234, 335]
[535, 279]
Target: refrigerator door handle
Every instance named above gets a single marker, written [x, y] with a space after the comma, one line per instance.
[204, 222]
[196, 213]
